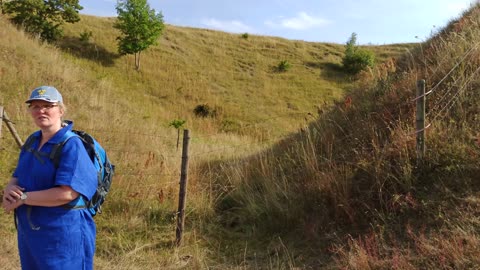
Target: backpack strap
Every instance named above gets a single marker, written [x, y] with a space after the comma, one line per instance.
[28, 147]
[28, 143]
[56, 152]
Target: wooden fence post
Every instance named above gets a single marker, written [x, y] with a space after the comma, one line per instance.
[12, 129]
[182, 197]
[420, 119]
[1, 119]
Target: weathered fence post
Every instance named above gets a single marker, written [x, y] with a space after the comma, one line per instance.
[420, 120]
[12, 129]
[182, 198]
[1, 119]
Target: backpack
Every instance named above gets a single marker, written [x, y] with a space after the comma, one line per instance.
[98, 155]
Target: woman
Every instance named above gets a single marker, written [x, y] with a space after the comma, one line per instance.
[51, 234]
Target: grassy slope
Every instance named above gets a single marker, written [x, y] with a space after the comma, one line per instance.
[350, 191]
[192, 66]
[129, 111]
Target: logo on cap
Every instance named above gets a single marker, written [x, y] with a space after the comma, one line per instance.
[41, 92]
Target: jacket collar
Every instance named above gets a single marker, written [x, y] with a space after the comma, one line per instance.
[58, 137]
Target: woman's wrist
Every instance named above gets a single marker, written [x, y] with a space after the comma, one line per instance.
[24, 197]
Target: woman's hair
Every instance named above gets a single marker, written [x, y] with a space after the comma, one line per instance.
[62, 107]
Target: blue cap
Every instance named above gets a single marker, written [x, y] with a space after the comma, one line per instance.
[46, 93]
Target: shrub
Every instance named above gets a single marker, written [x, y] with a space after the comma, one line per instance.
[283, 66]
[245, 35]
[85, 36]
[204, 110]
[356, 59]
[177, 123]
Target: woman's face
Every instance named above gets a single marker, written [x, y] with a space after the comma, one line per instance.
[45, 114]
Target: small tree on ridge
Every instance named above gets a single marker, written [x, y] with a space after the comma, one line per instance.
[139, 25]
[356, 59]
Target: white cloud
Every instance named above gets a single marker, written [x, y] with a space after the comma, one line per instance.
[302, 21]
[228, 26]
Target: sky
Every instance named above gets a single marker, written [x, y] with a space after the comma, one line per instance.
[376, 22]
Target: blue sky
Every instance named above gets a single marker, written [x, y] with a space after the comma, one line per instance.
[375, 21]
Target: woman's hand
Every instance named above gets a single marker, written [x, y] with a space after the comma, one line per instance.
[8, 207]
[11, 197]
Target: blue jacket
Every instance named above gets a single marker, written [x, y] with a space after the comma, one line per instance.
[56, 237]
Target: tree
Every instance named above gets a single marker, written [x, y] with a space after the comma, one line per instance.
[356, 59]
[2, 6]
[177, 124]
[43, 17]
[139, 25]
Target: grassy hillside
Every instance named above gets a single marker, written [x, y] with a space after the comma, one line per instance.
[192, 67]
[349, 192]
[251, 140]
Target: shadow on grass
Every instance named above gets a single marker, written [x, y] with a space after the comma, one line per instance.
[330, 71]
[87, 50]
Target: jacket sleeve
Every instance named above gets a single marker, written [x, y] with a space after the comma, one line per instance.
[76, 169]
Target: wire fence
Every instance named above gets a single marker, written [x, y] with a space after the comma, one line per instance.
[151, 162]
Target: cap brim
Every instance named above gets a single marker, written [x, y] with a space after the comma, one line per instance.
[44, 99]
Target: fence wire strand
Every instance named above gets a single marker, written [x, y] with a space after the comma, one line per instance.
[451, 102]
[453, 69]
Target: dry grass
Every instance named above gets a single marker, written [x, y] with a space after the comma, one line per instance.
[288, 174]
[351, 185]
